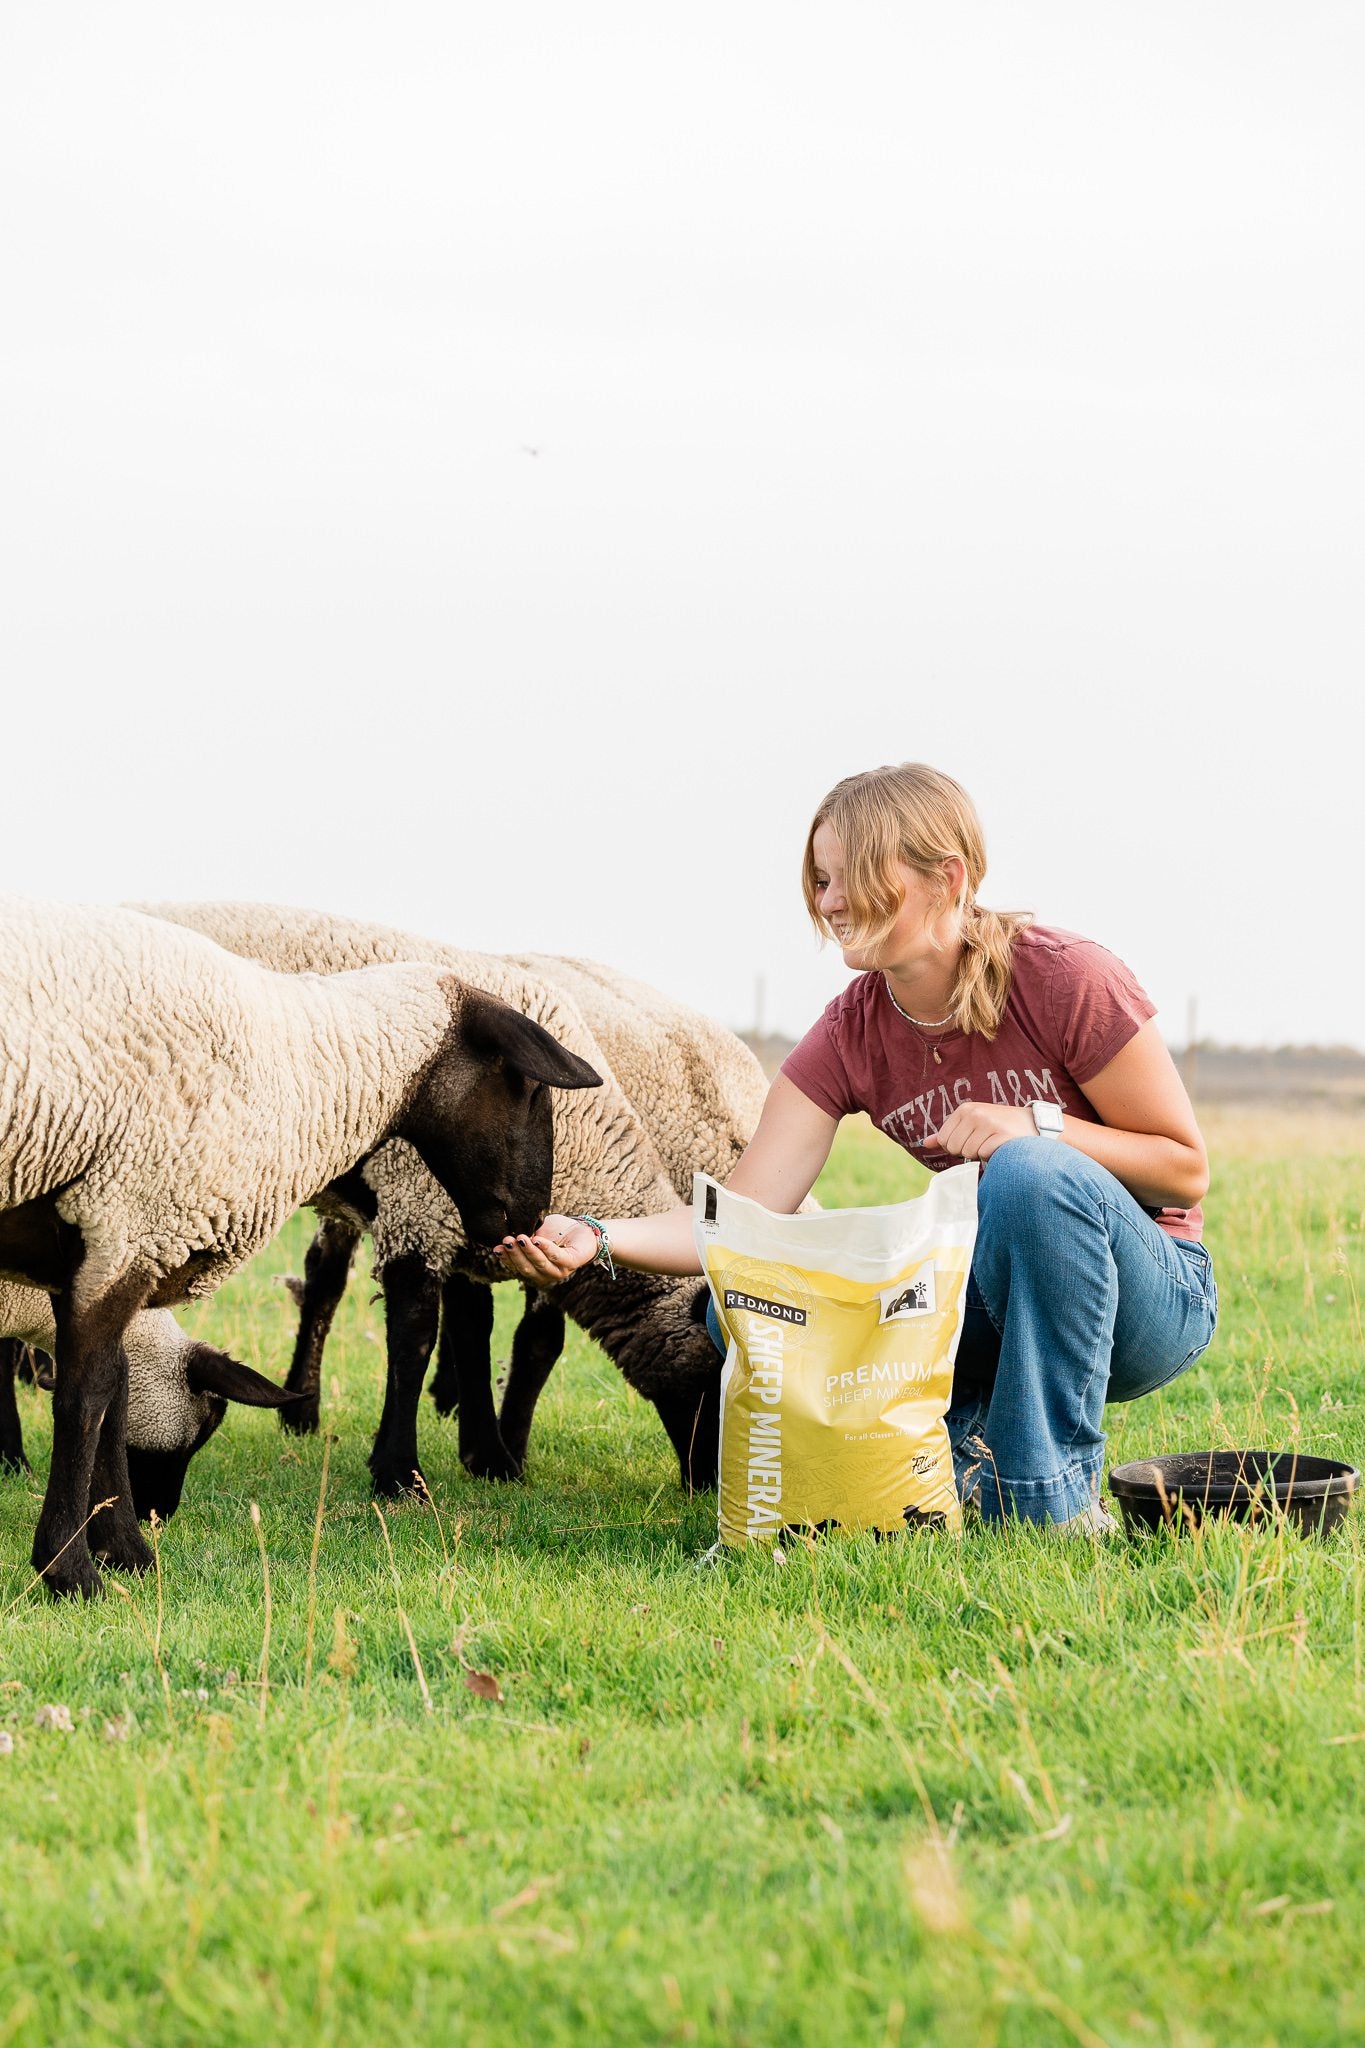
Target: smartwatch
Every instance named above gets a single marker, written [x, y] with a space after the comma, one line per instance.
[1047, 1118]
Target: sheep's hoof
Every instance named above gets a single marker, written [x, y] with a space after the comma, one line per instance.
[392, 1485]
[125, 1555]
[14, 1461]
[300, 1418]
[69, 1577]
[493, 1462]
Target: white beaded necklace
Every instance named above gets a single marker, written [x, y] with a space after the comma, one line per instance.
[920, 1024]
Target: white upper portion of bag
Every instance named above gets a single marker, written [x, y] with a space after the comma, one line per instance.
[864, 1243]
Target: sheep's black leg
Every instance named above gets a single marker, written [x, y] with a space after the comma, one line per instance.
[469, 1317]
[461, 1322]
[91, 1391]
[326, 1267]
[114, 1535]
[692, 1419]
[12, 1457]
[465, 1360]
[538, 1342]
[412, 1306]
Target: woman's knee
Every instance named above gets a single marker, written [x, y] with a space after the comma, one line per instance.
[1036, 1193]
[1027, 1171]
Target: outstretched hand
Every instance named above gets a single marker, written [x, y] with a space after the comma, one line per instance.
[560, 1247]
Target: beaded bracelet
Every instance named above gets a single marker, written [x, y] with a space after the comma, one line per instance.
[603, 1257]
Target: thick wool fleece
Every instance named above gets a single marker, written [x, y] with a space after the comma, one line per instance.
[164, 1412]
[184, 1100]
[686, 1094]
[605, 1160]
[695, 1086]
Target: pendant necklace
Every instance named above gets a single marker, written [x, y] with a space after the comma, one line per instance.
[920, 1024]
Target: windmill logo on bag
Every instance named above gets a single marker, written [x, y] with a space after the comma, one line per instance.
[910, 1297]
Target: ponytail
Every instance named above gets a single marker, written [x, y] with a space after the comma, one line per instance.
[983, 980]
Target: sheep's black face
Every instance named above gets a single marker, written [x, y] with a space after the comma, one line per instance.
[175, 1408]
[656, 1332]
[157, 1478]
[510, 1153]
[481, 1119]
[500, 1165]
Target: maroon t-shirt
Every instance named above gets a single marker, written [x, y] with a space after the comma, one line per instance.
[1070, 1008]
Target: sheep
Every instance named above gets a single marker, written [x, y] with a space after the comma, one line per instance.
[698, 1090]
[605, 1159]
[165, 1106]
[178, 1391]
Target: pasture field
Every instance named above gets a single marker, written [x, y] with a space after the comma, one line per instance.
[1021, 1789]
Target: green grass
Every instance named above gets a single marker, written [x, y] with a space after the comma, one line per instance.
[1016, 1790]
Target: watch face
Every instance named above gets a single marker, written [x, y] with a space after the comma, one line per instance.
[1047, 1116]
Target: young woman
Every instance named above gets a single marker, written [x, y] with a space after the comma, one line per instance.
[977, 1034]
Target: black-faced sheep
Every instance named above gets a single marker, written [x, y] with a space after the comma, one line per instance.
[178, 1392]
[607, 1160]
[165, 1106]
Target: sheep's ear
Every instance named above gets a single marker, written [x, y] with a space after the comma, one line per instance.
[489, 1027]
[213, 1372]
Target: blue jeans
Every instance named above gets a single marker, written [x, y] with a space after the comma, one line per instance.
[1075, 1298]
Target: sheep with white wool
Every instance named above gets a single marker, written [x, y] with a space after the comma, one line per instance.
[695, 1085]
[165, 1106]
[705, 1091]
[178, 1392]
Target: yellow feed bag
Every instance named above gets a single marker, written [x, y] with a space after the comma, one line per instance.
[843, 1326]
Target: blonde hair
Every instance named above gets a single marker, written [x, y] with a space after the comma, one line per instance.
[917, 815]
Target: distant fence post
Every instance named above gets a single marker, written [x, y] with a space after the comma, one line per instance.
[1191, 1059]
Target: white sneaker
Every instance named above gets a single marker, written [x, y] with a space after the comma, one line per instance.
[1093, 1520]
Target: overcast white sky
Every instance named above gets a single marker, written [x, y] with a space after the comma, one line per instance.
[975, 384]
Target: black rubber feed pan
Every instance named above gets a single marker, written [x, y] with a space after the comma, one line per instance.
[1314, 1493]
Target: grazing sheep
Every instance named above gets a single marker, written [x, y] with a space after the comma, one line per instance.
[178, 1391]
[606, 1160]
[165, 1106]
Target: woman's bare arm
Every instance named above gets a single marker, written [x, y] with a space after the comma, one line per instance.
[778, 1167]
[1148, 1137]
[782, 1161]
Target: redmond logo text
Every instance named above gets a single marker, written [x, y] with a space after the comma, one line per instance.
[780, 1311]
